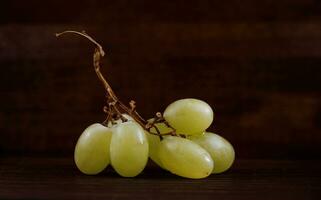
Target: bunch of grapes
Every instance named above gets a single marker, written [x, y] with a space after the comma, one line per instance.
[177, 140]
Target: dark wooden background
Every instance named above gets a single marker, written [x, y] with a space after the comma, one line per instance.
[258, 63]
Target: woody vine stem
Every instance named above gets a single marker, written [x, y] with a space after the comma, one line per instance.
[114, 107]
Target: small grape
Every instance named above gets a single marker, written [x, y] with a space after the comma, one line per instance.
[185, 158]
[92, 149]
[189, 116]
[128, 149]
[221, 151]
[154, 141]
[162, 127]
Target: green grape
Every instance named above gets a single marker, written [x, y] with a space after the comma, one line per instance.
[128, 149]
[221, 151]
[185, 158]
[162, 127]
[154, 141]
[189, 116]
[92, 149]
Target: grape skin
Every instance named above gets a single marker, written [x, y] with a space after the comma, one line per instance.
[221, 151]
[189, 116]
[162, 127]
[128, 149]
[154, 141]
[185, 158]
[92, 149]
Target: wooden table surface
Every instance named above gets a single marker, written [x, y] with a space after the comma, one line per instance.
[57, 178]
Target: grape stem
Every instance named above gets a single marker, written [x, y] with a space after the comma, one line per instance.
[115, 107]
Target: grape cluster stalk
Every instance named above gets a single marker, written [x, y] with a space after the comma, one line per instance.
[114, 106]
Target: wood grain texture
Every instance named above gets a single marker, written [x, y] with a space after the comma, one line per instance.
[57, 178]
[257, 64]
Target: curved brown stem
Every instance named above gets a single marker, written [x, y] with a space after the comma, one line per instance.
[84, 34]
[97, 56]
[113, 104]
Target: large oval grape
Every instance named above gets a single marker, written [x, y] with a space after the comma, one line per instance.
[92, 149]
[221, 151]
[189, 116]
[185, 158]
[128, 149]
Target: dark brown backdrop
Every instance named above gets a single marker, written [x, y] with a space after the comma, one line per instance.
[258, 63]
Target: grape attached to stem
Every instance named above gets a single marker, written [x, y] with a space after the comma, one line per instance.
[92, 149]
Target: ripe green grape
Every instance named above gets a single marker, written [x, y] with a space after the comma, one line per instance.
[154, 141]
[221, 151]
[189, 116]
[92, 149]
[128, 149]
[162, 127]
[185, 158]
